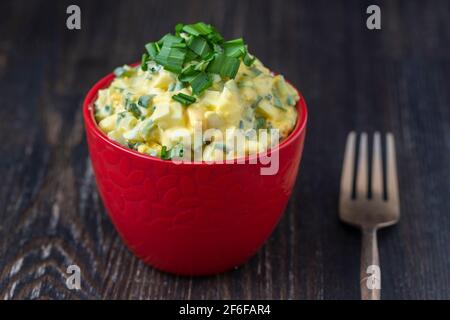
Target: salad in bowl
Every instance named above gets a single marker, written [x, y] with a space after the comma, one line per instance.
[195, 80]
[195, 150]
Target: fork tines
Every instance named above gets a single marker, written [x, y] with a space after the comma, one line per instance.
[355, 181]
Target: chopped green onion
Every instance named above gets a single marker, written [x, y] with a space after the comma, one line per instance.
[224, 65]
[176, 152]
[120, 116]
[171, 58]
[179, 28]
[234, 48]
[164, 154]
[255, 71]
[249, 59]
[188, 74]
[190, 55]
[184, 99]
[199, 45]
[169, 39]
[277, 103]
[197, 29]
[145, 100]
[200, 83]
[290, 100]
[217, 48]
[147, 128]
[144, 61]
[134, 109]
[214, 37]
[202, 65]
[189, 70]
[152, 49]
[230, 67]
[255, 104]
[187, 78]
[180, 45]
[195, 51]
[260, 123]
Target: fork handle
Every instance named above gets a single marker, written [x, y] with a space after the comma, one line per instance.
[370, 273]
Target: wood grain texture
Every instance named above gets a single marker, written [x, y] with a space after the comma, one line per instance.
[396, 79]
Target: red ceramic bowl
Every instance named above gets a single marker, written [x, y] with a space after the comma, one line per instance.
[190, 218]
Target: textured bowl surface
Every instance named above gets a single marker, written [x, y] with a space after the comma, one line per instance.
[190, 218]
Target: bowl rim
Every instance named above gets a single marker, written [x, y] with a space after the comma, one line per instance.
[92, 126]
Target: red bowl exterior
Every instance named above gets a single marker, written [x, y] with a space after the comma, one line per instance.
[191, 218]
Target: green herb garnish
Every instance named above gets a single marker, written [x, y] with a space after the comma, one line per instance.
[277, 103]
[199, 45]
[249, 59]
[199, 28]
[120, 116]
[176, 152]
[235, 48]
[200, 83]
[152, 49]
[256, 71]
[134, 109]
[171, 58]
[184, 99]
[145, 100]
[179, 28]
[195, 52]
[258, 100]
[164, 154]
[290, 101]
[224, 65]
[260, 123]
[144, 61]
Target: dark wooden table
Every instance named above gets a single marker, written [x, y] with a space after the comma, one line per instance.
[395, 79]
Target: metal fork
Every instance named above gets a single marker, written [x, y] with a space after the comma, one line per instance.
[369, 214]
